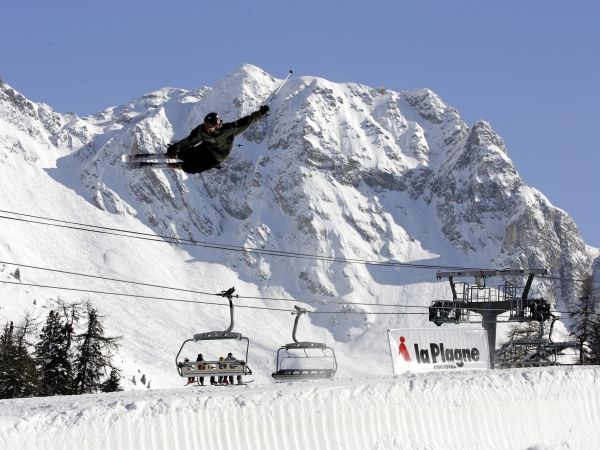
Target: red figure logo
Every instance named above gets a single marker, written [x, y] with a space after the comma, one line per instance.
[403, 350]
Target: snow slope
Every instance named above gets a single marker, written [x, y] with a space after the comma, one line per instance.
[508, 409]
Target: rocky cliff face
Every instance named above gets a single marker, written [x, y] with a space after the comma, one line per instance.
[340, 170]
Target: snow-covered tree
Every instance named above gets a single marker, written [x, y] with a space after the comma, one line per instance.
[586, 324]
[18, 377]
[113, 382]
[92, 355]
[53, 358]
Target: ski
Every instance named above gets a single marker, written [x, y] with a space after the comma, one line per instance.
[132, 157]
[234, 384]
[132, 165]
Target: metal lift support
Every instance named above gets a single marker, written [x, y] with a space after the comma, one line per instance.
[451, 311]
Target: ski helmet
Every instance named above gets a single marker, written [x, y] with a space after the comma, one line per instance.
[211, 119]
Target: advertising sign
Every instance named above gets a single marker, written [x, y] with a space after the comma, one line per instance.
[431, 349]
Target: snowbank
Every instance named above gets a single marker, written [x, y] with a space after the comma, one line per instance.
[519, 408]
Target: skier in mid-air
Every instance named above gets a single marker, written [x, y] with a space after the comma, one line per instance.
[210, 143]
[206, 147]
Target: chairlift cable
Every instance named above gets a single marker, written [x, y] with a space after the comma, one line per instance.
[322, 302]
[233, 248]
[227, 247]
[98, 277]
[138, 296]
[264, 308]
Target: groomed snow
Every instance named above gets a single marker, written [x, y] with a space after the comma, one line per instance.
[518, 408]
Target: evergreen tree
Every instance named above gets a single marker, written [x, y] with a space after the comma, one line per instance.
[52, 355]
[18, 376]
[586, 324]
[7, 355]
[113, 382]
[92, 355]
[594, 344]
[594, 338]
[71, 315]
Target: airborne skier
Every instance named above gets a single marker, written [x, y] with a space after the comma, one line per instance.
[205, 148]
[210, 143]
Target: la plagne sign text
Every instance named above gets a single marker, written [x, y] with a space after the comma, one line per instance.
[425, 350]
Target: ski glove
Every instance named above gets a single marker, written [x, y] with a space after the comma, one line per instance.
[264, 109]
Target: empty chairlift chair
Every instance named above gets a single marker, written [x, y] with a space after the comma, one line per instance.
[304, 360]
[189, 369]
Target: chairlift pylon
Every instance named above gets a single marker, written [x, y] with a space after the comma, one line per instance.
[480, 299]
[291, 354]
[209, 368]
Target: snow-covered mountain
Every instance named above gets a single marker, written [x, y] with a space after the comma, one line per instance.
[343, 171]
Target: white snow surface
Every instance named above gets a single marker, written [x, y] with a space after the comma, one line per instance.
[506, 409]
[295, 185]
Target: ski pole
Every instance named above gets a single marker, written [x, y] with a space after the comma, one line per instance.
[270, 99]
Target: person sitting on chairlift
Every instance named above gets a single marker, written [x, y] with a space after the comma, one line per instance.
[201, 367]
[230, 357]
[222, 366]
[190, 379]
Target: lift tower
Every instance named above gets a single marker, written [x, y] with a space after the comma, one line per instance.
[488, 302]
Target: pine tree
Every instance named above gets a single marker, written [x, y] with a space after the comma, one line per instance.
[595, 344]
[586, 324]
[52, 355]
[7, 355]
[594, 338]
[113, 382]
[92, 355]
[18, 376]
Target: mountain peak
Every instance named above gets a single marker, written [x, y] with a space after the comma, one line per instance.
[428, 104]
[482, 135]
[246, 87]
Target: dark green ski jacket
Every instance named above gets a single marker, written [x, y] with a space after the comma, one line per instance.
[220, 142]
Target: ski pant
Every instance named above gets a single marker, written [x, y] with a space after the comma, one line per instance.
[197, 160]
[239, 379]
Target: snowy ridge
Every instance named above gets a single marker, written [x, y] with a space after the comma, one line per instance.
[534, 408]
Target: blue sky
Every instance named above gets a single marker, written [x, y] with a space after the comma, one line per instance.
[531, 68]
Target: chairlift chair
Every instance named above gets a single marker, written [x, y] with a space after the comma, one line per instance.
[215, 368]
[291, 354]
[448, 311]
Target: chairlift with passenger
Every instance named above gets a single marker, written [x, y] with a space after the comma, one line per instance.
[298, 360]
[189, 369]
